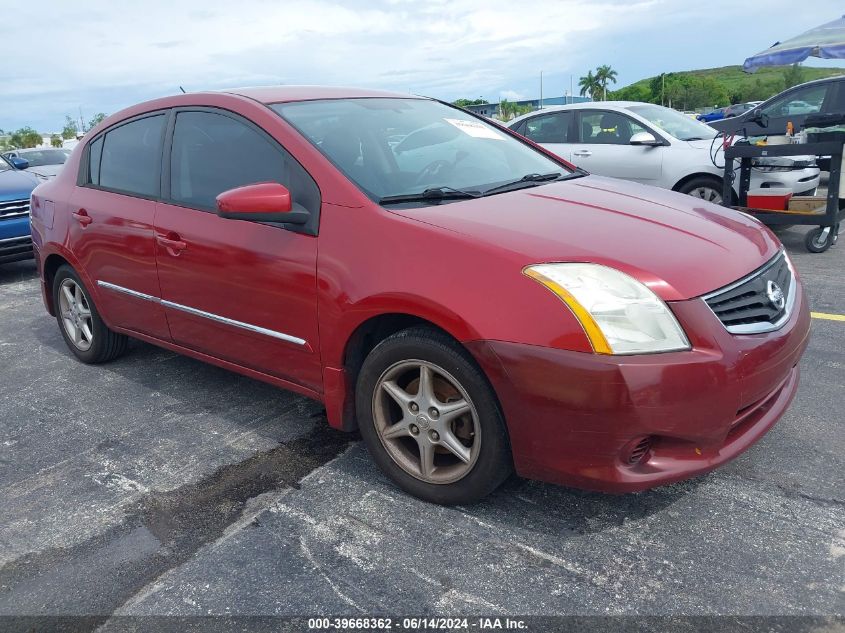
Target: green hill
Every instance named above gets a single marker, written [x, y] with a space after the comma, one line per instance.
[693, 89]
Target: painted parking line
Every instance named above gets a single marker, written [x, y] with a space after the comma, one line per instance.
[828, 317]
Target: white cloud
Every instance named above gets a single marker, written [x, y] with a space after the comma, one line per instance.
[104, 55]
[512, 95]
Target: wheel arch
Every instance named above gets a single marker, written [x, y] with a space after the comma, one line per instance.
[51, 265]
[340, 382]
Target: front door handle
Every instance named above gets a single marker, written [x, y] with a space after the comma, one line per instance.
[582, 152]
[82, 217]
[172, 242]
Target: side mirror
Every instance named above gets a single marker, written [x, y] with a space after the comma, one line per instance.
[644, 138]
[19, 163]
[261, 202]
[759, 117]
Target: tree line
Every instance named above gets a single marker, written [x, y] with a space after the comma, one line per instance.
[686, 91]
[27, 136]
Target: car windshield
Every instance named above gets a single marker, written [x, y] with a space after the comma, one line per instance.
[5, 165]
[674, 123]
[406, 146]
[40, 157]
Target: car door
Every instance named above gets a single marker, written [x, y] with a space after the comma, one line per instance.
[552, 130]
[110, 230]
[240, 291]
[603, 147]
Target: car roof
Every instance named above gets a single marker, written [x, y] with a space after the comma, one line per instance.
[586, 105]
[279, 94]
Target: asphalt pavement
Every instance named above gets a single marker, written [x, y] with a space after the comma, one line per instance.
[159, 485]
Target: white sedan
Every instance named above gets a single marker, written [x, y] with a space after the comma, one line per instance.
[653, 145]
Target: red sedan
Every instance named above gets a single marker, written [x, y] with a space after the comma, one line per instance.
[471, 303]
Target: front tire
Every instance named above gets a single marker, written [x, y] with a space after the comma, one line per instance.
[430, 419]
[84, 331]
[706, 188]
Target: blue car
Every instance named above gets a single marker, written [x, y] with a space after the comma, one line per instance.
[15, 188]
[716, 115]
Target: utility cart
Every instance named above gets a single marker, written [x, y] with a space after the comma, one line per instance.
[826, 215]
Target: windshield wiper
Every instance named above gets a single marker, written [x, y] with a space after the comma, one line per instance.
[530, 180]
[432, 194]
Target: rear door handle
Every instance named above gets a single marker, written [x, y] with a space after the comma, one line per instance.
[582, 152]
[82, 217]
[172, 242]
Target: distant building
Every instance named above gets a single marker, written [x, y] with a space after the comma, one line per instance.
[491, 110]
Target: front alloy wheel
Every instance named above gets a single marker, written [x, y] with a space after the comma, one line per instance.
[426, 421]
[430, 418]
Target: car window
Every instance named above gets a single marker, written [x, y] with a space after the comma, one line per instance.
[212, 153]
[803, 101]
[608, 128]
[41, 157]
[403, 146]
[549, 128]
[95, 152]
[130, 157]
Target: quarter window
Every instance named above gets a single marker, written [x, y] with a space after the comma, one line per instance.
[95, 152]
[130, 157]
[549, 128]
[213, 153]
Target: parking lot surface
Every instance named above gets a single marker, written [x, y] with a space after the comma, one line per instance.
[158, 485]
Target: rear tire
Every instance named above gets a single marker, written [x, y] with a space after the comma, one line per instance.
[84, 331]
[430, 419]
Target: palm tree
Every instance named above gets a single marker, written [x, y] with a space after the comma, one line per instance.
[589, 85]
[603, 75]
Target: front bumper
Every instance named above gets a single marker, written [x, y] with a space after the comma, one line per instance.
[15, 240]
[800, 181]
[573, 418]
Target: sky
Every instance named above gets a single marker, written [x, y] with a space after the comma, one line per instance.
[64, 57]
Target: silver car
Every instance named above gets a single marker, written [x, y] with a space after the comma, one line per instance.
[43, 161]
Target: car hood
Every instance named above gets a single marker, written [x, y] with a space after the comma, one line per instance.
[16, 184]
[48, 171]
[679, 246]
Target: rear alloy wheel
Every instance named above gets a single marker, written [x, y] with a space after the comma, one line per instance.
[84, 331]
[75, 312]
[708, 189]
[430, 419]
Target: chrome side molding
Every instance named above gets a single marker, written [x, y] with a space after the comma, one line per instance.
[202, 313]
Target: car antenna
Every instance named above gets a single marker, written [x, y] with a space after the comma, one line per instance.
[182, 89]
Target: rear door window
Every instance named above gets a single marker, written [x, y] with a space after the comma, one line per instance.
[131, 156]
[549, 128]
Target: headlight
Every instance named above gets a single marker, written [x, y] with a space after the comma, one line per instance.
[618, 313]
[782, 163]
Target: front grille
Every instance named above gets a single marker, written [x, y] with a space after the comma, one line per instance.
[639, 452]
[750, 305]
[13, 209]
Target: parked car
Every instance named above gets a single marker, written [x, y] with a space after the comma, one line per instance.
[43, 161]
[713, 115]
[15, 188]
[738, 108]
[822, 96]
[469, 316]
[653, 145]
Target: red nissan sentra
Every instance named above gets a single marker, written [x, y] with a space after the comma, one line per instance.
[469, 302]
